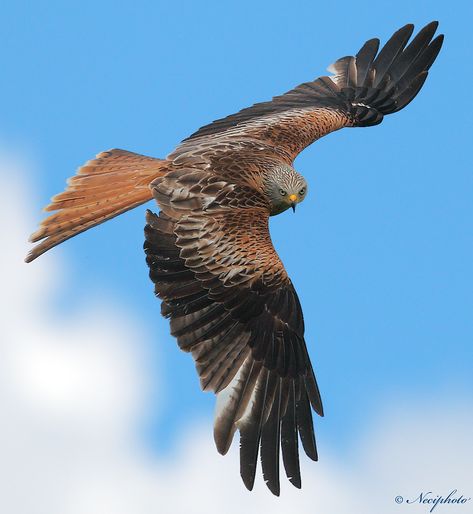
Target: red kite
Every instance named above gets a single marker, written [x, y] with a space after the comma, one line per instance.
[228, 297]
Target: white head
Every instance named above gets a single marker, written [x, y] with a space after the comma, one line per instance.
[285, 188]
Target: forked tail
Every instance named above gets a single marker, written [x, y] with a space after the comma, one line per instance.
[112, 183]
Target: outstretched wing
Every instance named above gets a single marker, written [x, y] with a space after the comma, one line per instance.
[362, 89]
[232, 305]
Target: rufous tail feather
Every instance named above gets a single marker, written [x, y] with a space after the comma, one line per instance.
[112, 183]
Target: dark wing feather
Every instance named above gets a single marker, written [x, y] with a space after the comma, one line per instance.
[360, 92]
[252, 426]
[289, 438]
[364, 59]
[270, 440]
[389, 53]
[233, 307]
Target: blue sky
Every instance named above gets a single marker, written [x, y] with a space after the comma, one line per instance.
[380, 252]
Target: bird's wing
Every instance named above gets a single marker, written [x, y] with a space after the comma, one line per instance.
[362, 89]
[232, 305]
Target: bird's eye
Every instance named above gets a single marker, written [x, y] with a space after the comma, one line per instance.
[282, 192]
[302, 192]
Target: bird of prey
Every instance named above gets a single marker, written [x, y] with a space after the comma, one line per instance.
[229, 299]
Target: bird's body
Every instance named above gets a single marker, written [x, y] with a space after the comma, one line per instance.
[229, 299]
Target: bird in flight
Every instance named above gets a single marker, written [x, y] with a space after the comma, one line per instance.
[222, 285]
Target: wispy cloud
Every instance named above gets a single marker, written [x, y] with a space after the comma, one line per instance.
[74, 392]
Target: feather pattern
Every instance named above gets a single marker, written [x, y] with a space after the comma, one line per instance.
[114, 182]
[229, 300]
[360, 92]
[247, 339]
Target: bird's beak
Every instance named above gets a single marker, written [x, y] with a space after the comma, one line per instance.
[293, 199]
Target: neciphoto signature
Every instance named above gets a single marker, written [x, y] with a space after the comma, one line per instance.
[433, 501]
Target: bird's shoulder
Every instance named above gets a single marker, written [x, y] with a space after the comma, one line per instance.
[211, 177]
[221, 214]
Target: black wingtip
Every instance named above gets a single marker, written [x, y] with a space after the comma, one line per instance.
[248, 479]
[406, 30]
[221, 448]
[296, 481]
[311, 452]
[274, 487]
[437, 43]
[391, 81]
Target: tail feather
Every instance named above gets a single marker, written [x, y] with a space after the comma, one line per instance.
[113, 183]
[387, 82]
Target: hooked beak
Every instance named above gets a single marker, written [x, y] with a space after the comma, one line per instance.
[293, 199]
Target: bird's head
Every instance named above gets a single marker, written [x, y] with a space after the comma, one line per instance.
[285, 188]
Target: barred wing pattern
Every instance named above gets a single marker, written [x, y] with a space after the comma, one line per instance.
[233, 307]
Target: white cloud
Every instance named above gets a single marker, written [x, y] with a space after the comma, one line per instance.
[73, 393]
[71, 389]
